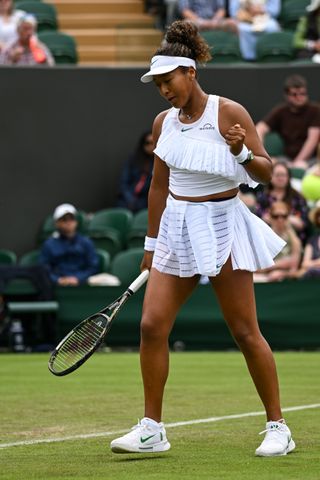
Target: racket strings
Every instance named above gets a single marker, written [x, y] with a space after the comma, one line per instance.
[79, 344]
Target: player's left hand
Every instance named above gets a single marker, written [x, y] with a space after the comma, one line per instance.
[235, 138]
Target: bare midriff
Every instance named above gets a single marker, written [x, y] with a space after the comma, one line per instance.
[206, 198]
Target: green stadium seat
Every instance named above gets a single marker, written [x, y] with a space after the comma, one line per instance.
[275, 47]
[138, 229]
[62, 46]
[273, 143]
[224, 46]
[104, 260]
[126, 265]
[7, 257]
[297, 173]
[22, 286]
[291, 12]
[30, 258]
[114, 223]
[45, 13]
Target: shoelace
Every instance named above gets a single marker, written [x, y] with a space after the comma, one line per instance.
[139, 425]
[278, 429]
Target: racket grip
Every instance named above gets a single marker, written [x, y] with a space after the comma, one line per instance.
[139, 281]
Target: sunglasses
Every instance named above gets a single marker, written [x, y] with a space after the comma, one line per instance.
[302, 93]
[276, 216]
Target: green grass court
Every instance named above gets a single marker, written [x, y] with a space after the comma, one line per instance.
[105, 395]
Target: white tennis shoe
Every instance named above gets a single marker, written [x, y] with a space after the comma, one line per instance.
[147, 436]
[277, 441]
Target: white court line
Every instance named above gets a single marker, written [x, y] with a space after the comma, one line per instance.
[167, 425]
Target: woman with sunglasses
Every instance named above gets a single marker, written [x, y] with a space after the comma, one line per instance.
[287, 262]
[206, 146]
[280, 189]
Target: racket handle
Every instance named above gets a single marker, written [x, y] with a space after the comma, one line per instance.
[138, 282]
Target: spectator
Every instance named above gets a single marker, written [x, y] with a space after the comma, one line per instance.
[297, 122]
[9, 18]
[310, 186]
[136, 175]
[254, 17]
[307, 34]
[287, 261]
[172, 11]
[280, 189]
[157, 9]
[310, 267]
[26, 49]
[70, 257]
[207, 14]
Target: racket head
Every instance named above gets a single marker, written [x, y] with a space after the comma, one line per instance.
[79, 344]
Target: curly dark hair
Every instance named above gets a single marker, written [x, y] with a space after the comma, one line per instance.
[182, 39]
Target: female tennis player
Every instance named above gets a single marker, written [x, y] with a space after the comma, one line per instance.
[206, 146]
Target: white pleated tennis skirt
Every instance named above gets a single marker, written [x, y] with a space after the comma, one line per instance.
[198, 238]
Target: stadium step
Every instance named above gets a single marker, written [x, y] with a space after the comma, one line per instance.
[104, 20]
[116, 37]
[99, 6]
[109, 32]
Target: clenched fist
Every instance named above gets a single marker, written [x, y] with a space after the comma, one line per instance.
[235, 138]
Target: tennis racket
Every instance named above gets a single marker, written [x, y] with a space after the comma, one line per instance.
[84, 339]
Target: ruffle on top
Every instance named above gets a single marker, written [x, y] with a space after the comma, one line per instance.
[180, 149]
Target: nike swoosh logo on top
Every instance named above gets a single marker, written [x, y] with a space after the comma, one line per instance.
[185, 129]
[143, 440]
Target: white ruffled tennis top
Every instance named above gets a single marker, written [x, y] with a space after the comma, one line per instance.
[199, 159]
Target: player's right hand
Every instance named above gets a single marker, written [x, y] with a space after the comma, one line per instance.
[146, 261]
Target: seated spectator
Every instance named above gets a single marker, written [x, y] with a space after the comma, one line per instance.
[307, 34]
[280, 189]
[310, 185]
[26, 49]
[9, 18]
[297, 121]
[157, 9]
[136, 176]
[254, 17]
[172, 11]
[70, 257]
[207, 14]
[310, 267]
[286, 263]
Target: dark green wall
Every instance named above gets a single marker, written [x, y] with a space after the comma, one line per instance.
[288, 314]
[65, 133]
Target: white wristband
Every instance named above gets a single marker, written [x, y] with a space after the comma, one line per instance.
[242, 155]
[150, 244]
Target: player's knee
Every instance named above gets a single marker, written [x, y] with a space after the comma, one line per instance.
[152, 328]
[247, 339]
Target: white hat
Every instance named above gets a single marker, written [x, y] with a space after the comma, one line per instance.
[63, 209]
[314, 5]
[164, 64]
[28, 18]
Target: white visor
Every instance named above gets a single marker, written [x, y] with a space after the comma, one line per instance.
[164, 64]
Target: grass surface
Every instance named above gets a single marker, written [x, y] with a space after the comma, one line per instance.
[106, 395]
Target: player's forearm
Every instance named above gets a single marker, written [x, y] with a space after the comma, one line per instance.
[306, 151]
[260, 169]
[309, 145]
[156, 204]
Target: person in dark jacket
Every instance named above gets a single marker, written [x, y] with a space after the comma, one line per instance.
[69, 256]
[136, 176]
